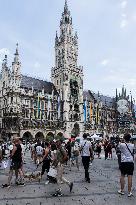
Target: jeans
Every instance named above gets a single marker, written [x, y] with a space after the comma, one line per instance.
[86, 161]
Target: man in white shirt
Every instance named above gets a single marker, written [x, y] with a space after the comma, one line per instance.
[86, 151]
[127, 164]
[39, 153]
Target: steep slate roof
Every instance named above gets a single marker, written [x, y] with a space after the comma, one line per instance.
[106, 100]
[37, 84]
[86, 94]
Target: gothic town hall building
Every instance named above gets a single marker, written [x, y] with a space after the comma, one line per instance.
[35, 108]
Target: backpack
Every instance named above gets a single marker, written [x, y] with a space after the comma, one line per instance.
[75, 151]
[39, 150]
[62, 156]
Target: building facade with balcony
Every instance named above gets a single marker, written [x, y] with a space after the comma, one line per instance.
[99, 113]
[34, 108]
[28, 106]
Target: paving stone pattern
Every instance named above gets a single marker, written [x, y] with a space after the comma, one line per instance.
[101, 191]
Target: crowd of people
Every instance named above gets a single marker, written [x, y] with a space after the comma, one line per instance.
[55, 155]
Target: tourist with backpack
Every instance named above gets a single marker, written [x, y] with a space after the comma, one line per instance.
[60, 157]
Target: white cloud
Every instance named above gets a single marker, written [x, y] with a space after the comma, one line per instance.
[37, 65]
[134, 17]
[105, 62]
[123, 23]
[132, 82]
[124, 4]
[124, 15]
[124, 19]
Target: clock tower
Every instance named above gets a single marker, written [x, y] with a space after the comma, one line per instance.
[67, 76]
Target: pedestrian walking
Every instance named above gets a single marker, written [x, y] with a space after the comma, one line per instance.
[109, 147]
[74, 155]
[118, 153]
[39, 153]
[33, 151]
[68, 148]
[127, 164]
[59, 159]
[16, 164]
[86, 153]
[46, 159]
[106, 148]
[98, 149]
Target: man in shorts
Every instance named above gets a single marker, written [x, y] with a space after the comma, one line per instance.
[16, 164]
[127, 164]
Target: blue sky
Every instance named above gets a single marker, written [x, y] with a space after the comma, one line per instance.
[107, 39]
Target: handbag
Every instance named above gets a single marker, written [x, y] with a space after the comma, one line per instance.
[76, 153]
[52, 172]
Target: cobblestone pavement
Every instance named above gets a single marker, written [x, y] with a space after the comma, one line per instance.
[101, 191]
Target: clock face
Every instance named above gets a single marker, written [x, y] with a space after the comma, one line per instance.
[122, 106]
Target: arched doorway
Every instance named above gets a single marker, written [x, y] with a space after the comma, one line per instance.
[39, 136]
[27, 136]
[75, 131]
[59, 136]
[50, 136]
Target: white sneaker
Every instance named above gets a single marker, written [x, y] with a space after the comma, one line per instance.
[47, 182]
[121, 192]
[130, 194]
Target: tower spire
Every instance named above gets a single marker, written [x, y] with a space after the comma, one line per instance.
[16, 58]
[116, 94]
[66, 7]
[56, 39]
[16, 49]
[4, 63]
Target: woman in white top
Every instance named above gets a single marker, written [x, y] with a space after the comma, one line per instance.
[127, 164]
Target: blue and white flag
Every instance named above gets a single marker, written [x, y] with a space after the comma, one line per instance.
[58, 107]
[85, 110]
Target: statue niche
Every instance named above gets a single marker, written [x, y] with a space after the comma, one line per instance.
[74, 88]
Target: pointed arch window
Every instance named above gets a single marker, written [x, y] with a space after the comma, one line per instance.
[66, 19]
